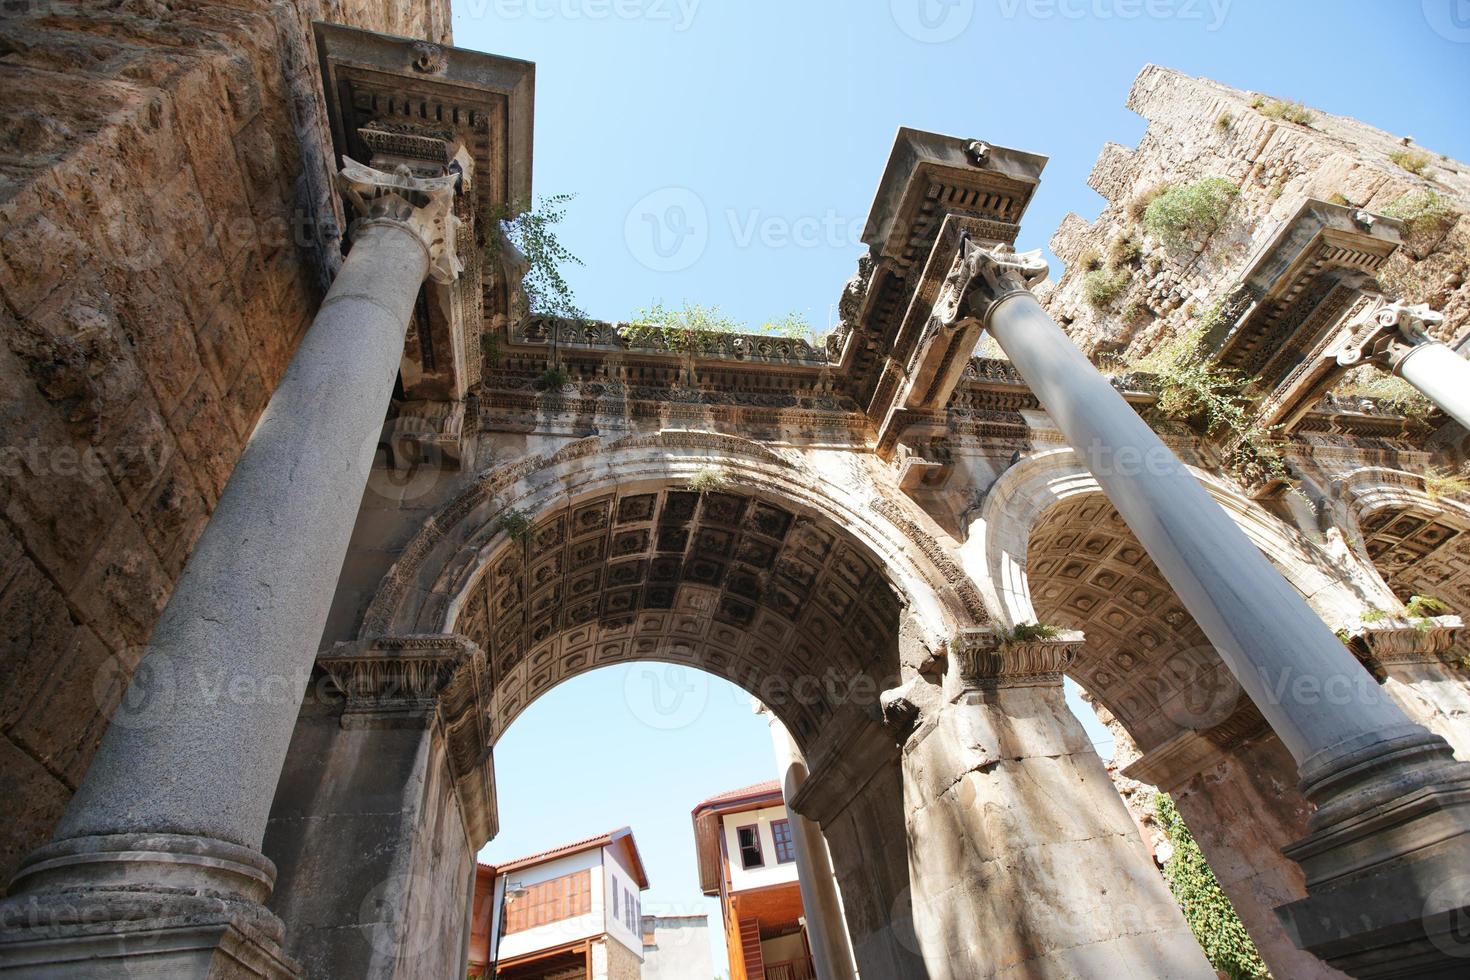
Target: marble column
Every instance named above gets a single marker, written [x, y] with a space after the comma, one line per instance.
[826, 925]
[165, 831]
[1022, 858]
[1395, 337]
[1392, 803]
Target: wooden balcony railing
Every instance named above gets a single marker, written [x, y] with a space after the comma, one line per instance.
[798, 969]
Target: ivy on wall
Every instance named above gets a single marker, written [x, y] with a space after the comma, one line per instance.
[1209, 913]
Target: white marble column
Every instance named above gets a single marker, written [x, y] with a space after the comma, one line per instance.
[826, 924]
[1359, 755]
[1395, 337]
[176, 800]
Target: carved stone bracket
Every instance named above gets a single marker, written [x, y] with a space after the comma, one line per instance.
[984, 658]
[419, 679]
[1389, 643]
[424, 205]
[1384, 334]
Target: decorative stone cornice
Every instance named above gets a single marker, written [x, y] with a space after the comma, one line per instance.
[422, 205]
[986, 658]
[1390, 643]
[1384, 333]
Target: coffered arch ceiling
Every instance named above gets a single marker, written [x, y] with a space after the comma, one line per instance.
[1422, 550]
[1145, 657]
[787, 604]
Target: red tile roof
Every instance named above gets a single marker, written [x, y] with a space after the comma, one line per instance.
[768, 788]
[623, 835]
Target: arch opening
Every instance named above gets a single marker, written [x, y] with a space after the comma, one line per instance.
[785, 604]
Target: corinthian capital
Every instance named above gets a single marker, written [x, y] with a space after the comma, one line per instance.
[423, 205]
[1384, 333]
[982, 277]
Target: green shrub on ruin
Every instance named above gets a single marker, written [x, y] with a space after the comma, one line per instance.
[695, 328]
[1101, 286]
[1411, 160]
[1184, 213]
[1192, 390]
[1287, 111]
[1422, 212]
[1209, 913]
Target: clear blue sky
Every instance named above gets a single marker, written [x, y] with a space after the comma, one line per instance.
[749, 135]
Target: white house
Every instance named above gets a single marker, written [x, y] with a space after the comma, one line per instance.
[570, 913]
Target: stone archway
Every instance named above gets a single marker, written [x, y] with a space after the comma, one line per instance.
[1417, 545]
[1058, 553]
[804, 591]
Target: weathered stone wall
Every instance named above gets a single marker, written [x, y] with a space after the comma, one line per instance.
[166, 224]
[1199, 128]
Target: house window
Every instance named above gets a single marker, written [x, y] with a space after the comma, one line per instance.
[615, 897]
[750, 846]
[781, 834]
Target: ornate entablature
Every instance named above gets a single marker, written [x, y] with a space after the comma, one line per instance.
[935, 190]
[428, 112]
[1296, 304]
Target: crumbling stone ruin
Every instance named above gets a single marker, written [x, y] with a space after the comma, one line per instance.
[304, 503]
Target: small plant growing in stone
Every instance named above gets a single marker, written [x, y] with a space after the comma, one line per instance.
[1425, 607]
[1124, 248]
[1339, 200]
[514, 524]
[1423, 213]
[1411, 160]
[1029, 632]
[1186, 212]
[709, 479]
[1440, 482]
[1292, 112]
[1223, 121]
[553, 378]
[1192, 390]
[1387, 391]
[1089, 260]
[1101, 286]
[490, 347]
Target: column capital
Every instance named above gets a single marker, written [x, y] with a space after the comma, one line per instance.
[423, 206]
[1385, 333]
[1399, 641]
[982, 277]
[986, 658]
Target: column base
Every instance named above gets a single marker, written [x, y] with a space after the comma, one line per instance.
[1388, 883]
[155, 905]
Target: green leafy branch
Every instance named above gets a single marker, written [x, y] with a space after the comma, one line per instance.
[533, 232]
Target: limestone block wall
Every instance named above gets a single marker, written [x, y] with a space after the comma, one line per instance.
[1199, 128]
[167, 222]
